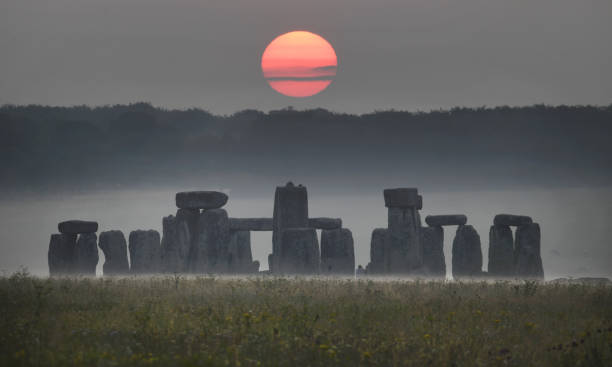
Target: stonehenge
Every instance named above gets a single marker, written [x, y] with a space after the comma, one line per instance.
[201, 238]
[519, 257]
[71, 251]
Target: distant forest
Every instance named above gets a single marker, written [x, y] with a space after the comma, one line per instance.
[123, 145]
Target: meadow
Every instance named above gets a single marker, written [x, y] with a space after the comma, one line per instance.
[269, 321]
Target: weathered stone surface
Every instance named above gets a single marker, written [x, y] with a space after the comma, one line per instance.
[337, 252]
[325, 223]
[77, 226]
[175, 245]
[501, 252]
[432, 240]
[290, 211]
[402, 241]
[145, 252]
[250, 224]
[210, 253]
[378, 257]
[86, 254]
[446, 220]
[62, 248]
[511, 220]
[114, 247]
[190, 217]
[527, 258]
[419, 202]
[467, 253]
[298, 252]
[402, 198]
[201, 199]
[240, 258]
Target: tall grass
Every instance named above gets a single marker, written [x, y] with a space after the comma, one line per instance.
[264, 321]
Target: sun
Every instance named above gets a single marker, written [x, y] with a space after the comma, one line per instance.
[299, 64]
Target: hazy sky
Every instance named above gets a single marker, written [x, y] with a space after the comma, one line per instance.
[402, 54]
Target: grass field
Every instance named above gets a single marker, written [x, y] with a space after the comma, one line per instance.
[264, 321]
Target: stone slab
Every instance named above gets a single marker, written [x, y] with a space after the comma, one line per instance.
[201, 200]
[250, 224]
[77, 227]
[325, 223]
[446, 220]
[511, 220]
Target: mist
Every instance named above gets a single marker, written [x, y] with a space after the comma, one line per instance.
[574, 221]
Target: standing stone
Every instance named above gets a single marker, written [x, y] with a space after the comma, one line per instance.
[61, 255]
[467, 254]
[337, 251]
[190, 217]
[86, 254]
[175, 245]
[527, 258]
[298, 252]
[402, 242]
[434, 263]
[501, 252]
[378, 257]
[114, 247]
[145, 252]
[211, 251]
[290, 211]
[240, 258]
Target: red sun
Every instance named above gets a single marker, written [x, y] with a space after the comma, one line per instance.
[299, 64]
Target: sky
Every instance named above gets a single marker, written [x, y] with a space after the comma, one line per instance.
[408, 55]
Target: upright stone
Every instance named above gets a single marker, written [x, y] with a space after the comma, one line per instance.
[298, 252]
[403, 242]
[114, 247]
[86, 254]
[175, 245]
[290, 211]
[467, 253]
[240, 257]
[211, 251]
[378, 256]
[527, 258]
[337, 252]
[145, 252]
[61, 254]
[434, 263]
[501, 252]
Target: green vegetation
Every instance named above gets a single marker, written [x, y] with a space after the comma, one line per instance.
[176, 321]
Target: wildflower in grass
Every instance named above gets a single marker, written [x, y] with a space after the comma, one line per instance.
[529, 325]
[427, 336]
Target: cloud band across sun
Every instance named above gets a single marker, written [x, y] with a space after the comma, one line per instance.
[299, 64]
